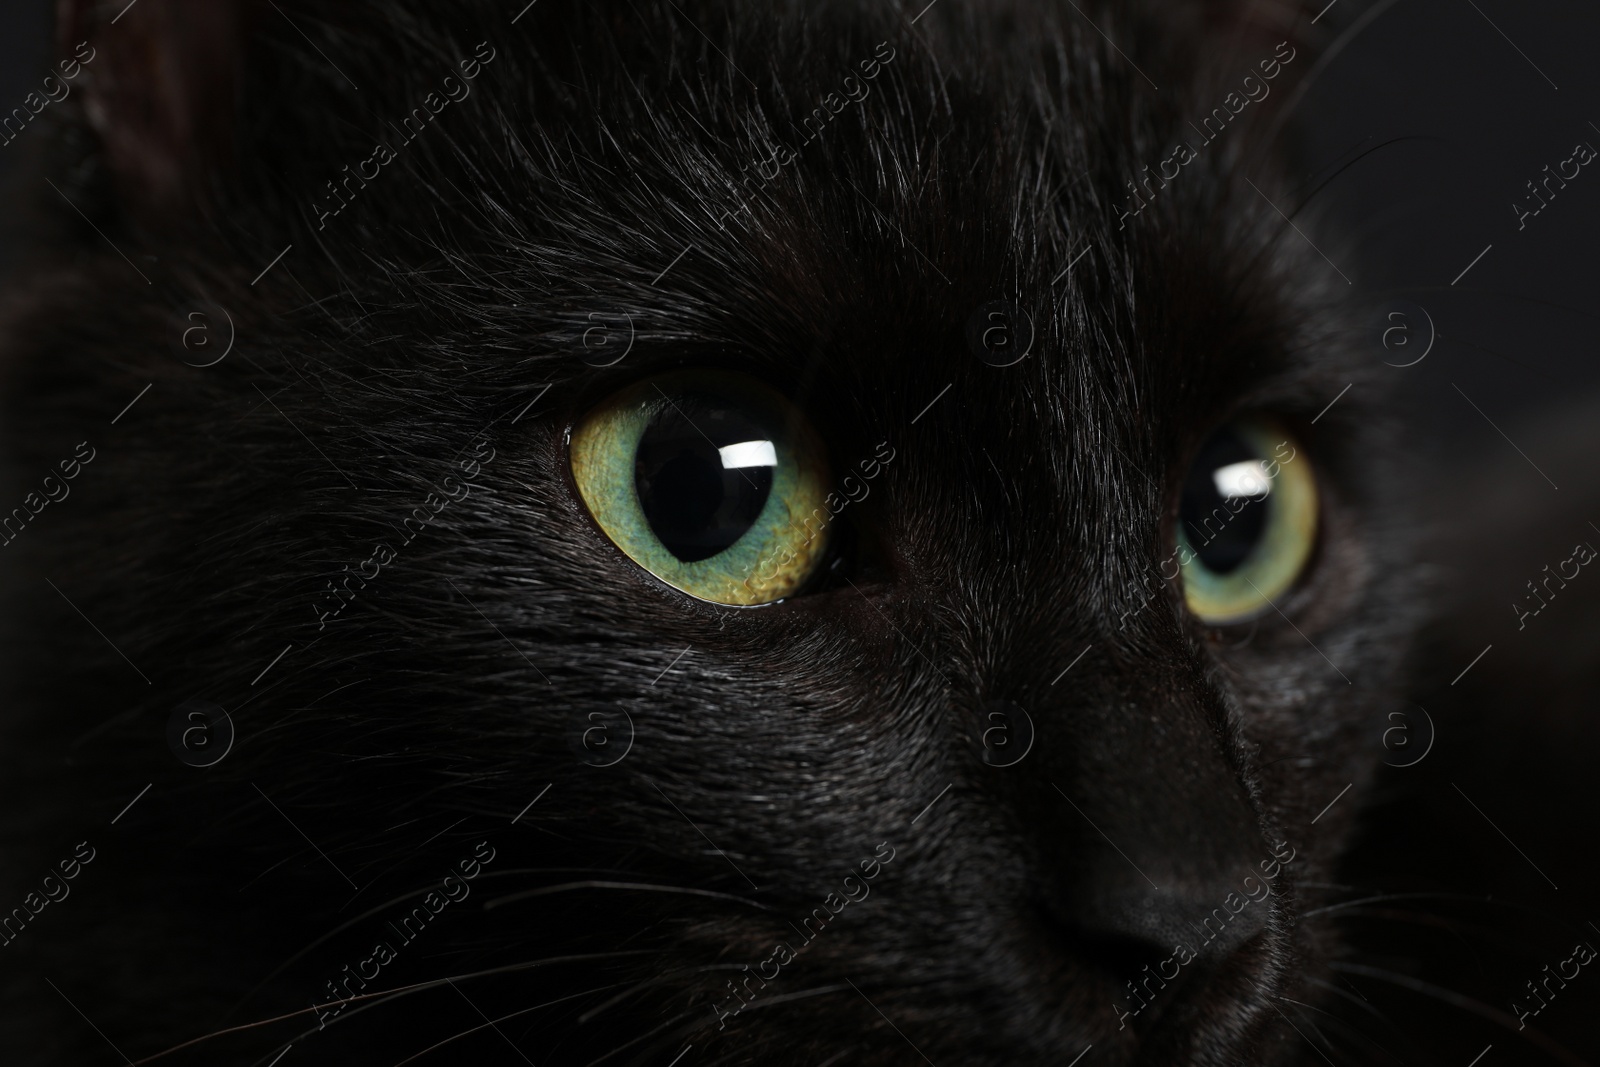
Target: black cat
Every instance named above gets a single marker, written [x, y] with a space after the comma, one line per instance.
[684, 533]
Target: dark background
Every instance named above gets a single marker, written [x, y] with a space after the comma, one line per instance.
[1429, 122]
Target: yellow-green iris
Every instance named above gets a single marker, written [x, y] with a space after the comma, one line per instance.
[707, 480]
[1247, 520]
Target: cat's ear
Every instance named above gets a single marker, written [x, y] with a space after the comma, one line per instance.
[159, 83]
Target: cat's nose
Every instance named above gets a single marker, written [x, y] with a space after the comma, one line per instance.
[1158, 849]
[1205, 918]
[1195, 875]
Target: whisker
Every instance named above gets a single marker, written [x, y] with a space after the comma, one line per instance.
[375, 909]
[1465, 1003]
[1338, 44]
[654, 980]
[1352, 162]
[1384, 898]
[646, 1036]
[1352, 998]
[389, 994]
[1334, 1020]
[492, 1022]
[568, 887]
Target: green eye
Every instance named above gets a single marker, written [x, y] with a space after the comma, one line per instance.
[707, 480]
[1247, 520]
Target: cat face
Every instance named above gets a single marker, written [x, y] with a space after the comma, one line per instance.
[753, 488]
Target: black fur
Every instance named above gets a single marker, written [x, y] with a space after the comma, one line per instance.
[596, 168]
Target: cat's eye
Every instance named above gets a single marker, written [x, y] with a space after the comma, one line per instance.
[1247, 520]
[707, 480]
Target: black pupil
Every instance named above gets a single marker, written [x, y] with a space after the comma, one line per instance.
[1224, 508]
[703, 473]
